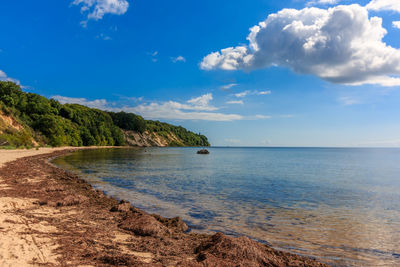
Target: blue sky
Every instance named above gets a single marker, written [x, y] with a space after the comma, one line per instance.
[312, 73]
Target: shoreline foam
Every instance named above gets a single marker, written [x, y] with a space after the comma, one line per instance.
[50, 216]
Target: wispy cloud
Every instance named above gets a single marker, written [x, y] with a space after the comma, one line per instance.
[263, 93]
[396, 24]
[235, 102]
[260, 117]
[178, 59]
[249, 92]
[153, 56]
[98, 103]
[197, 108]
[178, 111]
[227, 87]
[348, 101]
[379, 5]
[322, 2]
[4, 77]
[242, 94]
[287, 116]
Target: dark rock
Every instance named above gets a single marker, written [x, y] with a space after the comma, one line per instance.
[203, 151]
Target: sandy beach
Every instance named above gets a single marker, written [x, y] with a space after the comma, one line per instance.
[54, 218]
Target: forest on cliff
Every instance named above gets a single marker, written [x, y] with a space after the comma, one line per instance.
[28, 119]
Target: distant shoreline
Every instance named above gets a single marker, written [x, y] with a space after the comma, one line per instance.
[68, 222]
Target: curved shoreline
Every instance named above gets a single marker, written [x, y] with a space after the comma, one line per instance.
[70, 223]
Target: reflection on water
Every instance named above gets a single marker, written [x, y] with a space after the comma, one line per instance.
[339, 205]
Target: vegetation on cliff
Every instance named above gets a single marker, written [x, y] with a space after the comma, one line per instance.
[38, 120]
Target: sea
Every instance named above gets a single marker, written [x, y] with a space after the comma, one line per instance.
[338, 205]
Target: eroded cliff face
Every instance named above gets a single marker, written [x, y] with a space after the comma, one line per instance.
[13, 133]
[148, 139]
[7, 121]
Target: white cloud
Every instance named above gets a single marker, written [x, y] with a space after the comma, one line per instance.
[153, 56]
[348, 101]
[396, 24]
[330, 2]
[379, 5]
[260, 117]
[134, 99]
[175, 110]
[199, 103]
[98, 103]
[178, 59]
[4, 77]
[227, 87]
[198, 108]
[340, 44]
[235, 102]
[98, 8]
[322, 2]
[242, 94]
[231, 58]
[264, 92]
[248, 92]
[287, 116]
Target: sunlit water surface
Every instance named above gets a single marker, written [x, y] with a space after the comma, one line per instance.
[341, 206]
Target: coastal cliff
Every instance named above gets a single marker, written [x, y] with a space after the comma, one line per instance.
[28, 120]
[147, 139]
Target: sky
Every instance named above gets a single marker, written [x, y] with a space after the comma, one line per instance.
[244, 73]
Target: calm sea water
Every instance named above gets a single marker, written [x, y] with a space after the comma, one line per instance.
[341, 206]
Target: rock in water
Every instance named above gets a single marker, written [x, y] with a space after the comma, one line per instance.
[203, 151]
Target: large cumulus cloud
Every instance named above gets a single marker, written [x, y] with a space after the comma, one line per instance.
[340, 44]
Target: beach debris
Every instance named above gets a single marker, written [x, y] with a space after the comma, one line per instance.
[203, 151]
[72, 200]
[143, 225]
[54, 188]
[123, 206]
[222, 250]
[176, 224]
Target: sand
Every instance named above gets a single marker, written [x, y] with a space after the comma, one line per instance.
[18, 245]
[13, 154]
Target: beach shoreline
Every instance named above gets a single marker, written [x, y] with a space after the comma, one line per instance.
[50, 216]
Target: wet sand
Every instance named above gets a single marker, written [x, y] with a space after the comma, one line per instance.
[51, 217]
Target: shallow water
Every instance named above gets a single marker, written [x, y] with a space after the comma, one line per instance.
[341, 206]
